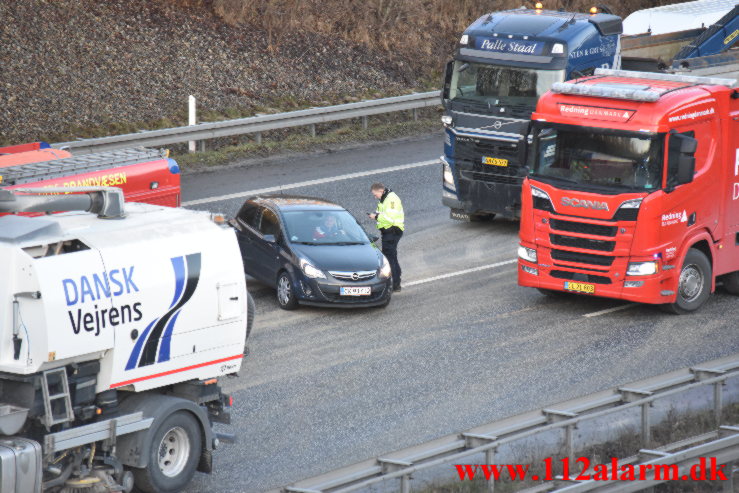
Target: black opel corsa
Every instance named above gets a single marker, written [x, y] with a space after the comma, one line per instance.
[313, 251]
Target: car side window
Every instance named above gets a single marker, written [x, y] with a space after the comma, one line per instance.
[249, 215]
[270, 224]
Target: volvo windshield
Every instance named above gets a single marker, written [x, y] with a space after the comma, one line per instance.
[500, 85]
[585, 157]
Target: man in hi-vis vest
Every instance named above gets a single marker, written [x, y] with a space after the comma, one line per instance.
[390, 221]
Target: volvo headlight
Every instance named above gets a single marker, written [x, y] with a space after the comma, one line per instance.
[385, 269]
[311, 271]
[642, 268]
[528, 254]
[448, 177]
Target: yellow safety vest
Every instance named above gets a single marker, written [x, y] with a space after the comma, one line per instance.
[390, 212]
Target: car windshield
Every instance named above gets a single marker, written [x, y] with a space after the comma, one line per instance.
[500, 85]
[332, 227]
[584, 157]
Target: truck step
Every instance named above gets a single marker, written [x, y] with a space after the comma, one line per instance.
[57, 400]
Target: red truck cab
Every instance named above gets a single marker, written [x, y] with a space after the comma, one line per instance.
[633, 189]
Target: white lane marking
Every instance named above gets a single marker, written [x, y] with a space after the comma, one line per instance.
[459, 273]
[610, 310]
[308, 183]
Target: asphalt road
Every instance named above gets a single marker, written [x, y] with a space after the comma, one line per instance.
[325, 388]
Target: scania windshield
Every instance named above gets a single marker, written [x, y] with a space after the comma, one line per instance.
[587, 157]
[495, 85]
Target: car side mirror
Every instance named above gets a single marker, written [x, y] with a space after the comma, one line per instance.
[270, 238]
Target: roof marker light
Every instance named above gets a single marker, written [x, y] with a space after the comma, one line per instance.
[558, 49]
[464, 39]
[538, 6]
[593, 10]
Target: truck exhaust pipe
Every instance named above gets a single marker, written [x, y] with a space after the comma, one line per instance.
[106, 202]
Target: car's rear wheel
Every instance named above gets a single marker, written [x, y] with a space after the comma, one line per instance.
[285, 293]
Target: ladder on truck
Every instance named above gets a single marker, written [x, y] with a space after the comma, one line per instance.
[718, 38]
[46, 170]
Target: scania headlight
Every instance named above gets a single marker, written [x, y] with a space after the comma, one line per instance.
[541, 199]
[385, 269]
[538, 192]
[311, 271]
[528, 254]
[642, 268]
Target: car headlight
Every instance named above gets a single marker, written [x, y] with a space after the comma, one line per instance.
[311, 271]
[447, 120]
[642, 268]
[385, 269]
[528, 254]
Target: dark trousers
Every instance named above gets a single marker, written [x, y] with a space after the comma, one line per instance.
[390, 239]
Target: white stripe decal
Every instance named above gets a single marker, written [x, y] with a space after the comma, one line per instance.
[309, 183]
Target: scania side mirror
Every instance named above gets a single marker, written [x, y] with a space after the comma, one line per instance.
[680, 160]
[447, 83]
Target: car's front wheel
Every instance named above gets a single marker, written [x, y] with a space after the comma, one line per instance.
[285, 294]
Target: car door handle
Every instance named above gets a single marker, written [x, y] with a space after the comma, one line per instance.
[234, 298]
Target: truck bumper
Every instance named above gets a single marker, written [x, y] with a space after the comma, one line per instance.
[653, 289]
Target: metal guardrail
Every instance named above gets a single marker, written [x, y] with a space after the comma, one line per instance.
[565, 416]
[255, 124]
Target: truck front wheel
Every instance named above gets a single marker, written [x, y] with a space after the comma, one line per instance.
[694, 284]
[173, 456]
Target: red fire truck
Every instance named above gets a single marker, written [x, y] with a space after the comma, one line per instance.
[144, 175]
[633, 189]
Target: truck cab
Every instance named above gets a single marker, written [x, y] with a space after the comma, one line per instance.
[504, 62]
[632, 189]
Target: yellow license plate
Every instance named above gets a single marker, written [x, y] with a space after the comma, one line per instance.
[494, 161]
[580, 287]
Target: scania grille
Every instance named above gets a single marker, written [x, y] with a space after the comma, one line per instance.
[576, 276]
[581, 258]
[584, 243]
[584, 228]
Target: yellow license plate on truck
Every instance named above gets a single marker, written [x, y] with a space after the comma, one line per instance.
[580, 287]
[494, 161]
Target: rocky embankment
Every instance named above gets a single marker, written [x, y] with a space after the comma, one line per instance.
[72, 66]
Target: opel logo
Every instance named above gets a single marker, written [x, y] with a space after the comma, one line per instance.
[355, 276]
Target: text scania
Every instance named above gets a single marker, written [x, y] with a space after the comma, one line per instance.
[591, 204]
[99, 287]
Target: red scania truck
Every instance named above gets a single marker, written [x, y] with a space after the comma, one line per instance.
[633, 189]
